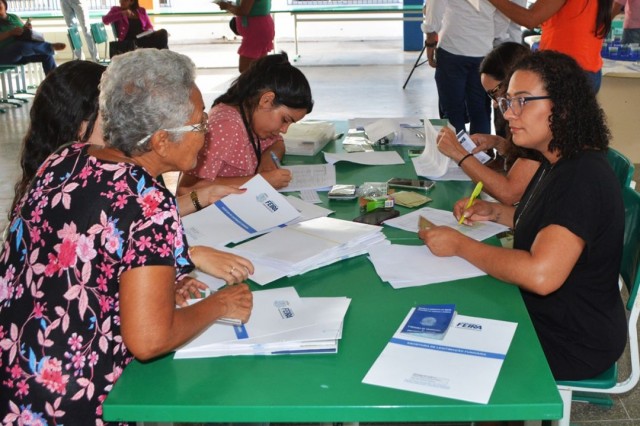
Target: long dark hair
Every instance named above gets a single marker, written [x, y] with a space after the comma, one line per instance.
[577, 122]
[66, 98]
[271, 73]
[501, 59]
[603, 18]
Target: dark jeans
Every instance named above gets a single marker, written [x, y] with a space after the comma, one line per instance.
[22, 52]
[460, 92]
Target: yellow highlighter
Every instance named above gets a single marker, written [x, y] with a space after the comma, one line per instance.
[476, 191]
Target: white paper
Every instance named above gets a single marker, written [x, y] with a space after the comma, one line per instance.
[376, 158]
[478, 231]
[379, 129]
[464, 365]
[431, 162]
[307, 209]
[419, 266]
[312, 176]
[237, 217]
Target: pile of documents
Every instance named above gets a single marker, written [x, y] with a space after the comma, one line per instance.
[308, 245]
[237, 217]
[463, 365]
[308, 137]
[420, 266]
[281, 323]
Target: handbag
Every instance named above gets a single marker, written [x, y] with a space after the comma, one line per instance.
[232, 25]
[120, 47]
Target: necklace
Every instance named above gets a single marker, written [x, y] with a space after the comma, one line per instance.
[255, 145]
[535, 192]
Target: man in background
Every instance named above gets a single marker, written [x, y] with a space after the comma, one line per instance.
[76, 12]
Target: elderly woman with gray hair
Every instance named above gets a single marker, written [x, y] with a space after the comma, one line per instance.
[96, 246]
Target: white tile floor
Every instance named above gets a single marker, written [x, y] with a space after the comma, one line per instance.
[352, 78]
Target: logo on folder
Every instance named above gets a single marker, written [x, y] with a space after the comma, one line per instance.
[265, 201]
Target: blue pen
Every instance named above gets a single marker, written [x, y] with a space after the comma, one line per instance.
[275, 159]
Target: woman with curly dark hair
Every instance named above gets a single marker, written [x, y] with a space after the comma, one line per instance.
[569, 225]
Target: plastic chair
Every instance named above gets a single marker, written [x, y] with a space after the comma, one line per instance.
[74, 37]
[6, 82]
[607, 382]
[99, 35]
[622, 166]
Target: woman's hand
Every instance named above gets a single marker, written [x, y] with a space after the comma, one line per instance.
[480, 211]
[278, 178]
[449, 145]
[16, 31]
[214, 192]
[442, 240]
[223, 5]
[487, 142]
[236, 301]
[188, 288]
[221, 264]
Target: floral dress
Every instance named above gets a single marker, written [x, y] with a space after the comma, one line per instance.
[82, 224]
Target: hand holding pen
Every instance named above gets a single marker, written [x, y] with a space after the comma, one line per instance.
[476, 192]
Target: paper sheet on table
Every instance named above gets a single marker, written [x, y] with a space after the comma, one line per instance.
[408, 129]
[237, 217]
[312, 176]
[405, 266]
[464, 365]
[307, 210]
[380, 128]
[479, 231]
[376, 158]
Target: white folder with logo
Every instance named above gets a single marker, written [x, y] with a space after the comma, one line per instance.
[464, 365]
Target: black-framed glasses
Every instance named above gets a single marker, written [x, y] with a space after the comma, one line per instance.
[516, 104]
[201, 127]
[493, 92]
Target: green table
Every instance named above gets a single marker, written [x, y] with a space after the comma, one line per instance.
[329, 388]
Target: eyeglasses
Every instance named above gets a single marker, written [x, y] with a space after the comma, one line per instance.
[516, 104]
[492, 93]
[201, 127]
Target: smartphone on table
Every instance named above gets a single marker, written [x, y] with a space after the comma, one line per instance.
[421, 184]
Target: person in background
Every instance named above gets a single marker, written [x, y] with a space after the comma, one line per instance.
[519, 164]
[96, 247]
[573, 27]
[455, 51]
[16, 51]
[245, 126]
[631, 25]
[569, 225]
[131, 21]
[74, 85]
[77, 11]
[254, 23]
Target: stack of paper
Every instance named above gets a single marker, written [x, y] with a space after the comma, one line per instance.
[308, 245]
[237, 217]
[308, 137]
[281, 323]
[464, 365]
[419, 266]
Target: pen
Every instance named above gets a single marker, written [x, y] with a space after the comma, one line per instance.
[474, 195]
[275, 159]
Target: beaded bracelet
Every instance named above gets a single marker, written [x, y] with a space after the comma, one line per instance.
[195, 200]
[464, 158]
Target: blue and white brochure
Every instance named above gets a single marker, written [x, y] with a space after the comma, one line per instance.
[431, 321]
[464, 365]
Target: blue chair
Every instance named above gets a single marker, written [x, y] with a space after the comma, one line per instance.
[622, 166]
[607, 382]
[74, 38]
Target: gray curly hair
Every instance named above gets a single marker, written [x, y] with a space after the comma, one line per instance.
[142, 92]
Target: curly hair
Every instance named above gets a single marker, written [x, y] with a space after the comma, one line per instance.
[271, 73]
[142, 92]
[66, 98]
[577, 122]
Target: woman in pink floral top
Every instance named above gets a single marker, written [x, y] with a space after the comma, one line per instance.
[245, 126]
[96, 247]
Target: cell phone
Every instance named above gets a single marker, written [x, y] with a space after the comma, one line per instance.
[377, 217]
[424, 185]
[342, 192]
